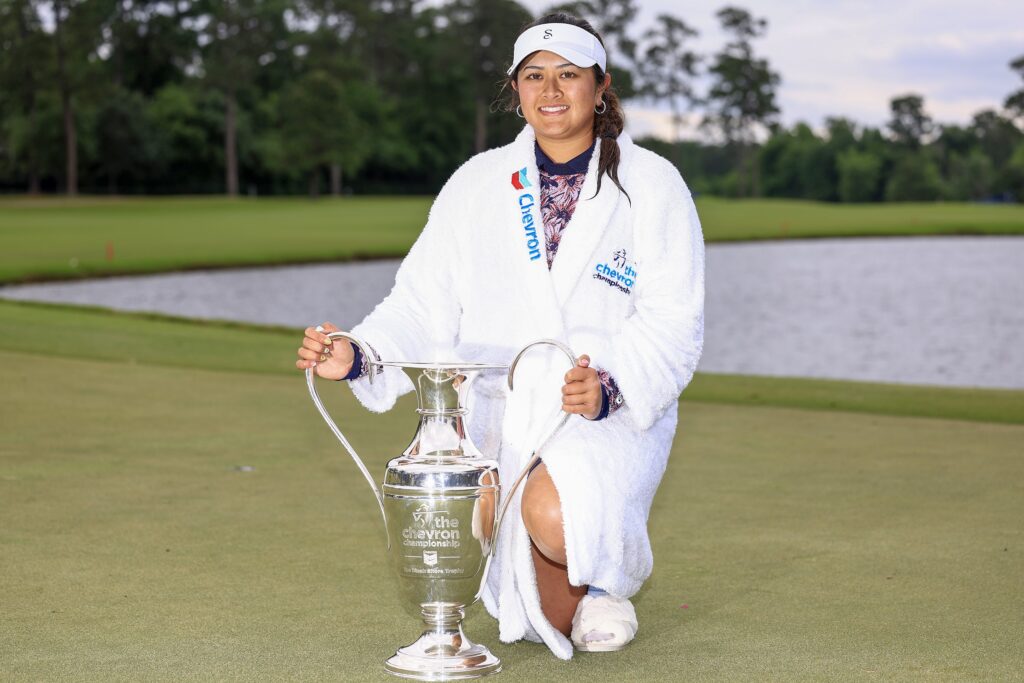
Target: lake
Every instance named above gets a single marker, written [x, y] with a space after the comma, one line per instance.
[942, 310]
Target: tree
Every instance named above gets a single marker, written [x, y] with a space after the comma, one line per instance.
[239, 37]
[1012, 175]
[799, 163]
[786, 161]
[842, 136]
[22, 79]
[75, 36]
[485, 31]
[1014, 102]
[951, 142]
[668, 68]
[996, 135]
[915, 177]
[149, 43]
[321, 127]
[124, 137]
[186, 125]
[742, 93]
[859, 175]
[908, 122]
[970, 176]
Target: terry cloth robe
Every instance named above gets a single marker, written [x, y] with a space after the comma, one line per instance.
[627, 288]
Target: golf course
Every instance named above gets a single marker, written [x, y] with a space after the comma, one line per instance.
[173, 508]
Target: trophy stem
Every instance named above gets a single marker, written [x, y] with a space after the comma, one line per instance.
[443, 652]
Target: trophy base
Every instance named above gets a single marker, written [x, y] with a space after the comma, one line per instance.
[443, 653]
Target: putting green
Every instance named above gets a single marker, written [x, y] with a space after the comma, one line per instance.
[56, 238]
[790, 543]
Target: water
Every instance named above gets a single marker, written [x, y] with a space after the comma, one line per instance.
[940, 311]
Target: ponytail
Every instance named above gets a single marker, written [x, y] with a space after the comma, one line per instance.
[607, 127]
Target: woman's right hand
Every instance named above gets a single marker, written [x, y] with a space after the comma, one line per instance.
[328, 359]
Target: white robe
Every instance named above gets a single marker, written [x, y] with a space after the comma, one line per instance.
[626, 287]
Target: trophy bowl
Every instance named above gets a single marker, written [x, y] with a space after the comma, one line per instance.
[440, 553]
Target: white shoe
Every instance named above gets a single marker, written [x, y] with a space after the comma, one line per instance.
[603, 624]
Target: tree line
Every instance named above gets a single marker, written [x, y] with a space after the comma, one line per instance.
[313, 96]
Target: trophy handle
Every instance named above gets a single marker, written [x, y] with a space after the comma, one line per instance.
[373, 359]
[544, 442]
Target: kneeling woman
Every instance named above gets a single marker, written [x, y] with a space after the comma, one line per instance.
[574, 233]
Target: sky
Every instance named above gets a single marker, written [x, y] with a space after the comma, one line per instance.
[850, 57]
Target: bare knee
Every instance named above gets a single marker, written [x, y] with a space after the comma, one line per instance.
[542, 514]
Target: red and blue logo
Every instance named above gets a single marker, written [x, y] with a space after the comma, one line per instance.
[519, 180]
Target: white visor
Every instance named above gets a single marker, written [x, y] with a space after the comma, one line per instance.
[578, 46]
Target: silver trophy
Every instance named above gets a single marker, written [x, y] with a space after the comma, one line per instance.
[442, 506]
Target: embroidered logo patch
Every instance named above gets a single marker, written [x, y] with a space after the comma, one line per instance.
[526, 204]
[519, 180]
[622, 276]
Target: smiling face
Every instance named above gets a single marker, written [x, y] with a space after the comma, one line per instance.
[558, 97]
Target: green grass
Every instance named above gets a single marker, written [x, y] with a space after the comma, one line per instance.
[755, 219]
[807, 543]
[56, 238]
[100, 334]
[52, 239]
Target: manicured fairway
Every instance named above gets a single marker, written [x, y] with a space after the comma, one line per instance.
[43, 239]
[791, 543]
[57, 238]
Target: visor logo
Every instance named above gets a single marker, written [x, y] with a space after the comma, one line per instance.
[547, 33]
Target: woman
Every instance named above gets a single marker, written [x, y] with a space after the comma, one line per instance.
[570, 232]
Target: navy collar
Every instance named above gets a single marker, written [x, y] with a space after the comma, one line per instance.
[575, 165]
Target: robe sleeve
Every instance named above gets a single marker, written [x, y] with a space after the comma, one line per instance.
[655, 353]
[419, 319]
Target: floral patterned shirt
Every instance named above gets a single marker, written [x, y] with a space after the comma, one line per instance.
[558, 196]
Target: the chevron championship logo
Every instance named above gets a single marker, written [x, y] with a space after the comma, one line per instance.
[519, 180]
[622, 277]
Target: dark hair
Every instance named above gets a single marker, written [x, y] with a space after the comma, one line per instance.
[607, 125]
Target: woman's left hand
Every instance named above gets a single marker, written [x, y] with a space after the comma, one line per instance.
[581, 393]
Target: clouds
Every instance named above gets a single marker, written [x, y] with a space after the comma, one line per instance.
[955, 69]
[850, 57]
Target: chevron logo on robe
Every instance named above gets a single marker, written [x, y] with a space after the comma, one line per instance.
[519, 180]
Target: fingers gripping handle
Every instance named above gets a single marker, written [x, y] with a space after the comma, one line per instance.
[510, 493]
[371, 357]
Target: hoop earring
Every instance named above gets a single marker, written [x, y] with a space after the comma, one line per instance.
[519, 111]
[604, 108]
